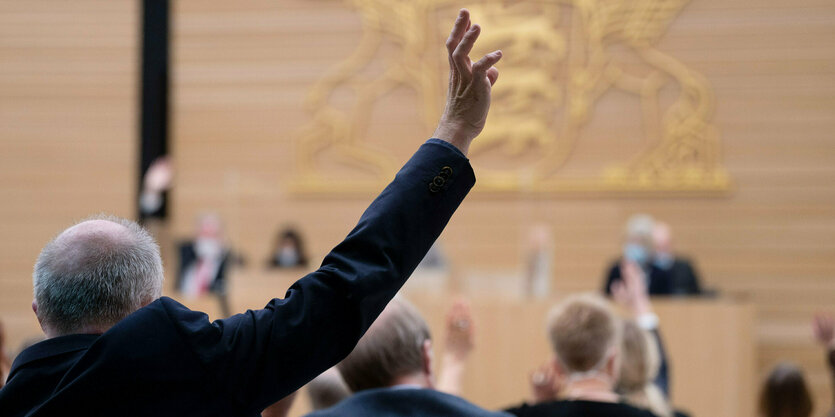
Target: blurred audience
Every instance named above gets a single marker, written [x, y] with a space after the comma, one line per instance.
[288, 251]
[540, 260]
[327, 390]
[586, 337]
[390, 371]
[785, 393]
[204, 262]
[649, 245]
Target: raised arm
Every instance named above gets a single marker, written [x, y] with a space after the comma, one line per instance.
[260, 356]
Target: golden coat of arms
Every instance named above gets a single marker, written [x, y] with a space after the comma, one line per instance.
[567, 63]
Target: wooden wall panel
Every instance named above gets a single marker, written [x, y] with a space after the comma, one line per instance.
[242, 72]
[68, 135]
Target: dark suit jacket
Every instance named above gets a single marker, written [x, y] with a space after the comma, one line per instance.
[188, 256]
[404, 402]
[679, 279]
[165, 360]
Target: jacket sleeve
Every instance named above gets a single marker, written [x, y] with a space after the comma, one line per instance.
[258, 357]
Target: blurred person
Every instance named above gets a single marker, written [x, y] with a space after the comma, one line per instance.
[586, 337]
[390, 372]
[460, 332]
[679, 270]
[823, 327]
[540, 260]
[638, 370]
[155, 186]
[281, 408]
[639, 248]
[288, 251]
[116, 347]
[5, 362]
[204, 262]
[327, 390]
[785, 393]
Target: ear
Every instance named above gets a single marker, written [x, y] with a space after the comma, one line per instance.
[558, 368]
[426, 352]
[613, 365]
[35, 309]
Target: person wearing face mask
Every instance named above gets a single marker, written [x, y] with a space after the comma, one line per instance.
[203, 263]
[680, 271]
[288, 251]
[649, 245]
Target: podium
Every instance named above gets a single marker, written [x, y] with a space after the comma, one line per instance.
[710, 344]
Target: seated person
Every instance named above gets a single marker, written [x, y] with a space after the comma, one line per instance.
[639, 368]
[785, 393]
[390, 372]
[327, 390]
[288, 251]
[663, 278]
[204, 262]
[680, 271]
[586, 338]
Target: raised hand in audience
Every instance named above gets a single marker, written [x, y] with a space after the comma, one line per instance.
[823, 327]
[631, 291]
[459, 345]
[468, 98]
[545, 384]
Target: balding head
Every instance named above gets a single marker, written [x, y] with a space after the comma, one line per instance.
[94, 274]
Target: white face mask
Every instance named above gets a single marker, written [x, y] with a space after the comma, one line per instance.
[208, 248]
[288, 257]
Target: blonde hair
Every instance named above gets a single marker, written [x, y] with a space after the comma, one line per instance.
[641, 361]
[583, 331]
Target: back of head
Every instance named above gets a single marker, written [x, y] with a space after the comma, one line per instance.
[94, 274]
[584, 332]
[327, 389]
[640, 361]
[785, 393]
[392, 348]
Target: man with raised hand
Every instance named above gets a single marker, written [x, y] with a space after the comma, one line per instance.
[115, 347]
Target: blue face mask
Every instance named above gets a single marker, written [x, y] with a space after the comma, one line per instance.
[635, 253]
[663, 260]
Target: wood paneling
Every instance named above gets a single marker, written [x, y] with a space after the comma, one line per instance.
[68, 79]
[242, 72]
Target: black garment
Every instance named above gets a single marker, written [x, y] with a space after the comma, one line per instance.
[404, 402]
[166, 360]
[188, 259]
[679, 279]
[578, 408]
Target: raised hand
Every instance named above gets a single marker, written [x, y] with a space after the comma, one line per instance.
[823, 327]
[468, 99]
[459, 341]
[545, 384]
[631, 290]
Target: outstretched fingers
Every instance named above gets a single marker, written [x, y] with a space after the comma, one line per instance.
[459, 28]
[484, 66]
[461, 55]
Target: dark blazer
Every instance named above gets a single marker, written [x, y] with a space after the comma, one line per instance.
[404, 402]
[188, 256]
[679, 279]
[578, 408]
[166, 360]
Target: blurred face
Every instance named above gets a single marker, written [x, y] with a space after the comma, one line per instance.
[662, 239]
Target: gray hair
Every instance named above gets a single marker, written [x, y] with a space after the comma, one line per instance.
[89, 276]
[392, 347]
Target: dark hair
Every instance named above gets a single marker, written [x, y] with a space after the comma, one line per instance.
[785, 393]
[292, 234]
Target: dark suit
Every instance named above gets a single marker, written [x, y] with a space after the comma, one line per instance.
[188, 259]
[405, 402]
[165, 360]
[679, 279]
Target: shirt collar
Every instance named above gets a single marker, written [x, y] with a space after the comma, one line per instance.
[53, 347]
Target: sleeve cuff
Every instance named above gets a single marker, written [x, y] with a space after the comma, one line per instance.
[647, 321]
[447, 144]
